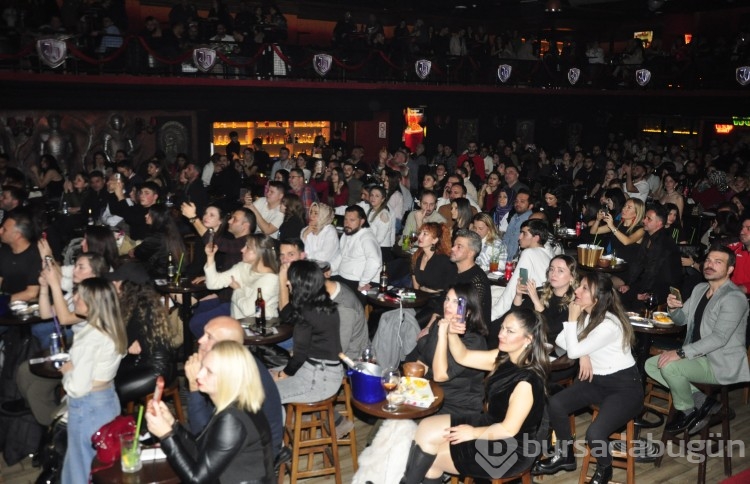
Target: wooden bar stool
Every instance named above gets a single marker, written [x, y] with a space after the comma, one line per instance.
[723, 439]
[307, 433]
[345, 397]
[173, 392]
[620, 460]
[524, 476]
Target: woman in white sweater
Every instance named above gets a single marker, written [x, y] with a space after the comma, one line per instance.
[320, 237]
[380, 218]
[259, 270]
[599, 334]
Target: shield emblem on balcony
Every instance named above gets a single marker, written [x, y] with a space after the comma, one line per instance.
[204, 58]
[423, 68]
[743, 75]
[642, 76]
[574, 74]
[322, 63]
[503, 72]
[52, 51]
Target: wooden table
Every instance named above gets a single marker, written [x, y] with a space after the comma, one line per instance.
[284, 332]
[404, 411]
[422, 298]
[153, 472]
[622, 267]
[644, 339]
[46, 369]
[186, 308]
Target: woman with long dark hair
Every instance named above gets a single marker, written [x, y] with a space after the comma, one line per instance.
[314, 371]
[294, 217]
[461, 214]
[555, 207]
[100, 240]
[338, 190]
[393, 196]
[48, 176]
[381, 219]
[599, 334]
[462, 386]
[163, 239]
[236, 445]
[515, 396]
[489, 192]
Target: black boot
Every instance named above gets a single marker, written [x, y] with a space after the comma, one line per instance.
[563, 459]
[602, 475]
[417, 465]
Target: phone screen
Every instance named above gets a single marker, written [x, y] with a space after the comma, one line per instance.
[524, 275]
[461, 310]
[676, 293]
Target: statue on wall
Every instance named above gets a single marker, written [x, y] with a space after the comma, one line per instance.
[56, 142]
[173, 139]
[116, 136]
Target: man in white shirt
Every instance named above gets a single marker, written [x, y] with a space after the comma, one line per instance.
[267, 210]
[636, 185]
[534, 259]
[208, 169]
[471, 190]
[284, 162]
[359, 260]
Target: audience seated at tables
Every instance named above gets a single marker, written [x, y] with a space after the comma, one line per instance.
[515, 397]
[714, 350]
[161, 240]
[201, 408]
[461, 213]
[556, 208]
[294, 217]
[19, 256]
[320, 237]
[658, 268]
[463, 386]
[134, 215]
[466, 247]
[599, 335]
[493, 247]
[626, 236]
[501, 211]
[257, 271]
[267, 210]
[426, 213]
[236, 443]
[523, 204]
[359, 260]
[534, 260]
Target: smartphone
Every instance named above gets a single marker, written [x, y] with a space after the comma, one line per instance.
[524, 275]
[210, 238]
[605, 209]
[676, 293]
[158, 389]
[461, 310]
[47, 261]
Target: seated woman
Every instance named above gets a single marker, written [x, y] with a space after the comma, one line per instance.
[501, 213]
[515, 397]
[235, 446]
[163, 239]
[431, 266]
[556, 208]
[294, 217]
[151, 341]
[599, 334]
[462, 386]
[493, 247]
[314, 371]
[258, 271]
[461, 214]
[557, 294]
[674, 224]
[338, 190]
[48, 176]
[320, 237]
[489, 192]
[626, 236]
[382, 221]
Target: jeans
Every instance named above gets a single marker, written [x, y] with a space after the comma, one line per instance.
[677, 376]
[85, 416]
[619, 397]
[205, 312]
[311, 383]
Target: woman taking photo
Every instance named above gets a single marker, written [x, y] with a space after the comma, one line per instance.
[314, 371]
[97, 349]
[294, 217]
[258, 270]
[235, 446]
[462, 386]
[320, 237]
[493, 247]
[489, 191]
[626, 235]
[515, 396]
[338, 190]
[599, 334]
[501, 212]
[382, 221]
[162, 240]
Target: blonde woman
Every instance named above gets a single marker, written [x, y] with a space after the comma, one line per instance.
[88, 378]
[492, 244]
[235, 446]
[626, 236]
[320, 237]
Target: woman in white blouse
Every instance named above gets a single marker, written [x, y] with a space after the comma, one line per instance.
[600, 336]
[320, 237]
[380, 218]
[259, 270]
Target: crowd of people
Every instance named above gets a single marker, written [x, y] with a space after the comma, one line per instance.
[320, 234]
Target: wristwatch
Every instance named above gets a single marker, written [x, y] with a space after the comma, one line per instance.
[681, 353]
[192, 219]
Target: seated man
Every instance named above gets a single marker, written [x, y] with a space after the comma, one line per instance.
[358, 262]
[20, 262]
[714, 351]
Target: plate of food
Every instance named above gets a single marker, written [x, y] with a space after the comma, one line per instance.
[639, 321]
[416, 391]
[662, 319]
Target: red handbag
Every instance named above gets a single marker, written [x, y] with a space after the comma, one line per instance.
[106, 440]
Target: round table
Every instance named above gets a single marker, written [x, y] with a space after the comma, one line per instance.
[186, 308]
[152, 472]
[284, 332]
[422, 297]
[46, 369]
[498, 281]
[622, 267]
[404, 411]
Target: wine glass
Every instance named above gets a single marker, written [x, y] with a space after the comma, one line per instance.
[368, 355]
[390, 379]
[651, 303]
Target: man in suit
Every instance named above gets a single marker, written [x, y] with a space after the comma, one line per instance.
[714, 349]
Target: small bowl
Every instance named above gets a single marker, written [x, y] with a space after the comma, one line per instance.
[604, 263]
[414, 369]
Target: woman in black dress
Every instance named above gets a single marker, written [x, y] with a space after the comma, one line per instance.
[515, 395]
[432, 269]
[294, 217]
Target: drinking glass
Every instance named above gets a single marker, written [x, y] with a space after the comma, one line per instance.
[651, 303]
[130, 453]
[368, 355]
[390, 379]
